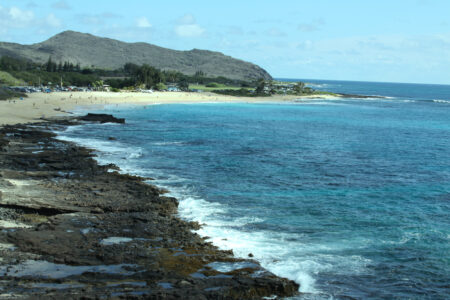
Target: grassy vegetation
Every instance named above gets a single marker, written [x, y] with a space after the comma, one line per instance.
[34, 77]
[211, 87]
[241, 92]
[8, 79]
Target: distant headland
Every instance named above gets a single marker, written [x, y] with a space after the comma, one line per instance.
[90, 51]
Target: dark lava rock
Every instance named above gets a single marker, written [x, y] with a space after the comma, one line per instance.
[102, 118]
[115, 235]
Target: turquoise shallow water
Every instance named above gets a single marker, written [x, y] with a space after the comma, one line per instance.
[350, 198]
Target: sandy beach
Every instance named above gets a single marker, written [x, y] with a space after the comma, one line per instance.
[40, 105]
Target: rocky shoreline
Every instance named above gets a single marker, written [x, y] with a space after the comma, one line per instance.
[71, 228]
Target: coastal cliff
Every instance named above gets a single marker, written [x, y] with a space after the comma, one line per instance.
[73, 228]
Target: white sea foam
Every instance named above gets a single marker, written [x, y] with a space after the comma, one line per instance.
[284, 254]
[271, 250]
[111, 150]
[319, 85]
[167, 143]
[135, 154]
[281, 253]
[166, 181]
[441, 101]
[329, 102]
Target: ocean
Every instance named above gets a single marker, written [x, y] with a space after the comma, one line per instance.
[349, 197]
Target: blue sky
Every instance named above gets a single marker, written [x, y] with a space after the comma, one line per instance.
[393, 41]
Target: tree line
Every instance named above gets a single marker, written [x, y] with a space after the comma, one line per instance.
[8, 63]
[67, 66]
[129, 76]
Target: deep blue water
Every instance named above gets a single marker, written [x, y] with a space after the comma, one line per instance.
[405, 91]
[350, 198]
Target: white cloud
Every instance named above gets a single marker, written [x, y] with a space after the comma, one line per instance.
[188, 27]
[16, 14]
[192, 30]
[15, 18]
[53, 21]
[143, 23]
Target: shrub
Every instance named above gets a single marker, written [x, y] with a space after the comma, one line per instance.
[160, 86]
[213, 85]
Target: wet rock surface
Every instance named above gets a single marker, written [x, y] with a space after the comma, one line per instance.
[101, 118]
[71, 228]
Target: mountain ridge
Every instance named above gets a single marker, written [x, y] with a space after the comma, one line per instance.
[98, 52]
